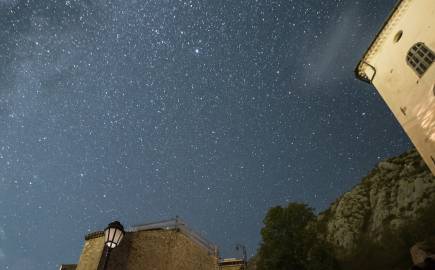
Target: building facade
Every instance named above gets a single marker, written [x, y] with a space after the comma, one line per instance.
[399, 63]
[232, 264]
[167, 245]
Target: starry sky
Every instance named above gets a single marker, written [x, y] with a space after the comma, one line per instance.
[141, 110]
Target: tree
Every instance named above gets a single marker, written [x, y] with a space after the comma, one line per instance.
[289, 243]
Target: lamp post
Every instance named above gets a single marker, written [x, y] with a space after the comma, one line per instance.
[113, 235]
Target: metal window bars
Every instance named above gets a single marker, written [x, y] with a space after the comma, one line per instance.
[420, 58]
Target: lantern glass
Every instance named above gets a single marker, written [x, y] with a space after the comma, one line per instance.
[113, 234]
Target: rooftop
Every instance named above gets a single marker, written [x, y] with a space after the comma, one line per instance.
[377, 42]
[68, 267]
[171, 224]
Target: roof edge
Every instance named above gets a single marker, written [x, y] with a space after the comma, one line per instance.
[179, 225]
[176, 224]
[68, 266]
[94, 235]
[358, 72]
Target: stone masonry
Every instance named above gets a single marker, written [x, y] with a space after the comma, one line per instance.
[160, 246]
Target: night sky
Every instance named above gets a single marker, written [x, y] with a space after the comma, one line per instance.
[211, 110]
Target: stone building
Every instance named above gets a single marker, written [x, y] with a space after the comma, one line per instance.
[232, 264]
[168, 245]
[399, 63]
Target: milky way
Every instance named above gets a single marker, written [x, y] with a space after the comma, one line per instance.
[210, 110]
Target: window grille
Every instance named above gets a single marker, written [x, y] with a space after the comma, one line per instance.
[420, 58]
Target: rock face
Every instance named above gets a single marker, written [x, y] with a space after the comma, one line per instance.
[389, 196]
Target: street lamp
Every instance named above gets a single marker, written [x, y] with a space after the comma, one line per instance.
[113, 235]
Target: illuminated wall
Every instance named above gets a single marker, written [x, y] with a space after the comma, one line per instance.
[399, 65]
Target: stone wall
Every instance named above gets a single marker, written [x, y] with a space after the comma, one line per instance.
[156, 249]
[92, 251]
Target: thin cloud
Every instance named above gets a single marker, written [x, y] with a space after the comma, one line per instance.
[332, 57]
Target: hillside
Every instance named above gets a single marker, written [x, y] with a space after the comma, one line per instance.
[389, 197]
[373, 226]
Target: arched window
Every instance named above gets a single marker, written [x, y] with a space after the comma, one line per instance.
[420, 58]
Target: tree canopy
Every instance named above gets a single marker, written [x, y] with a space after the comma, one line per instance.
[289, 241]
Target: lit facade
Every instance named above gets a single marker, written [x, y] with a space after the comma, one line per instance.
[399, 63]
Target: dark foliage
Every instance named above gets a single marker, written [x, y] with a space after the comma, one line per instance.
[392, 251]
[290, 241]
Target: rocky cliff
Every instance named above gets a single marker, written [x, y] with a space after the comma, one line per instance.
[388, 197]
